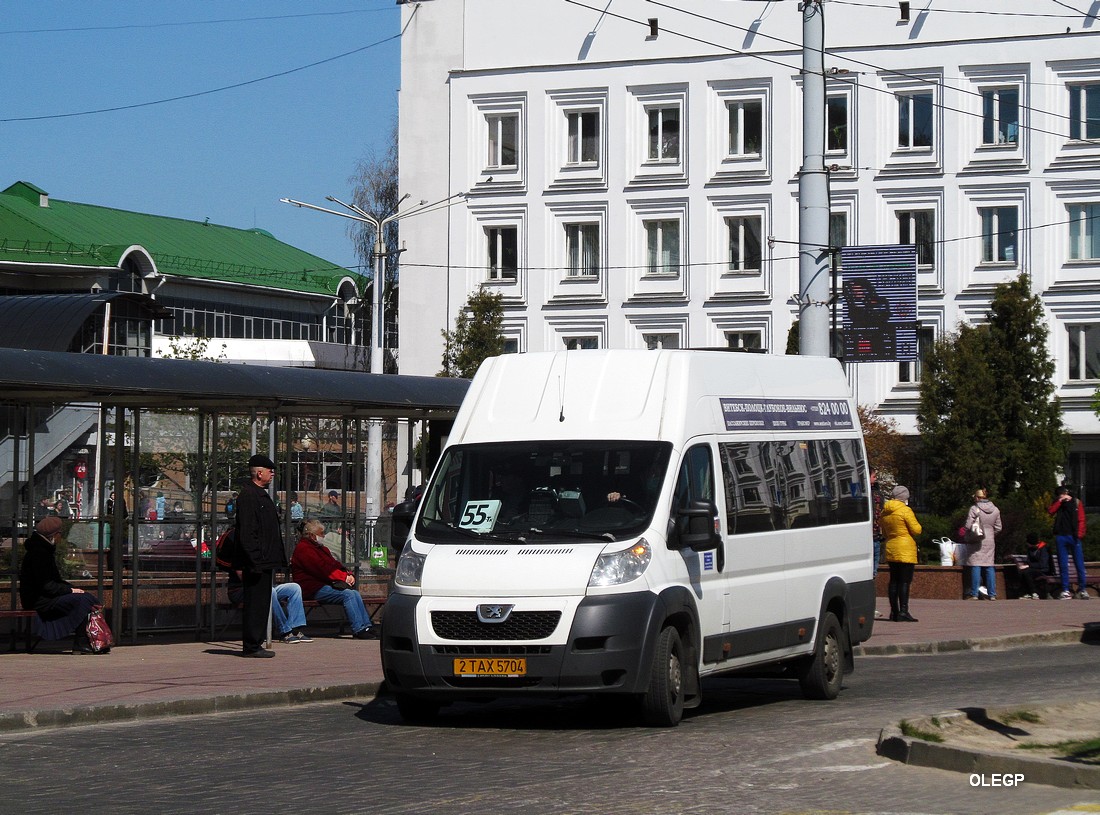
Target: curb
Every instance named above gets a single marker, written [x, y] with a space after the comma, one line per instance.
[104, 714]
[1031, 769]
[981, 643]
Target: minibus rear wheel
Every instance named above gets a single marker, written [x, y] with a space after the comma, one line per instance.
[663, 702]
[821, 675]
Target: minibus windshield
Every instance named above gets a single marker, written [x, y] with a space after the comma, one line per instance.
[536, 491]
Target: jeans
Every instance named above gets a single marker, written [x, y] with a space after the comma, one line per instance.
[1066, 543]
[353, 605]
[289, 619]
[976, 575]
[294, 616]
[876, 557]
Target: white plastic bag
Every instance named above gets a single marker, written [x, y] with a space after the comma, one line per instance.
[947, 551]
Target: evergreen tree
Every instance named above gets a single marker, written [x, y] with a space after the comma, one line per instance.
[478, 334]
[988, 417]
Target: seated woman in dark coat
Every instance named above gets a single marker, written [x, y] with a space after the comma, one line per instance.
[62, 609]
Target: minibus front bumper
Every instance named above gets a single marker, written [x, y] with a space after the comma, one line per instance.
[606, 651]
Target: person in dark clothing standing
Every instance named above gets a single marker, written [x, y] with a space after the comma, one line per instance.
[260, 540]
[1069, 528]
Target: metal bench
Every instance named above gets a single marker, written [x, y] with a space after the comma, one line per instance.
[21, 623]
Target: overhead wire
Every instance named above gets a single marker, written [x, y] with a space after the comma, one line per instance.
[184, 23]
[979, 11]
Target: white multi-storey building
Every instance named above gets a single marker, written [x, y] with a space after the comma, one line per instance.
[631, 171]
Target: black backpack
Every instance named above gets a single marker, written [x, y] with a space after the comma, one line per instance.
[227, 550]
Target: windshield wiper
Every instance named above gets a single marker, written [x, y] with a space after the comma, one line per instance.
[473, 533]
[574, 533]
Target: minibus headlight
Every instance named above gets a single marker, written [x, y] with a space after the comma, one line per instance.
[410, 567]
[615, 568]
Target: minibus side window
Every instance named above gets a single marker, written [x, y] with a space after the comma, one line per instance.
[793, 484]
[752, 487]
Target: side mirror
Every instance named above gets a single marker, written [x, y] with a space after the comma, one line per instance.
[400, 523]
[696, 527]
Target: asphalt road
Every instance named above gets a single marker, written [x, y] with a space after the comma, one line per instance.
[754, 747]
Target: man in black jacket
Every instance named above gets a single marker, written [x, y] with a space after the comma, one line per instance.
[260, 539]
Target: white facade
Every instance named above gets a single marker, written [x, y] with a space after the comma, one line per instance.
[632, 170]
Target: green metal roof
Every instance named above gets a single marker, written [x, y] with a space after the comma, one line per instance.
[75, 234]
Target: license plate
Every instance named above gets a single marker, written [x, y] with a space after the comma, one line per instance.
[490, 666]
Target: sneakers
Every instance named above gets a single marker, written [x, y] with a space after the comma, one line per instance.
[370, 633]
[292, 637]
[971, 597]
[991, 597]
[260, 653]
[1065, 596]
[1082, 595]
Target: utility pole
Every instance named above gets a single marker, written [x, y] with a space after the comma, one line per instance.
[813, 191]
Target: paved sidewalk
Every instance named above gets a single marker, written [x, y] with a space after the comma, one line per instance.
[163, 677]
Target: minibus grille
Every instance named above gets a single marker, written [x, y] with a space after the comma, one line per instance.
[520, 625]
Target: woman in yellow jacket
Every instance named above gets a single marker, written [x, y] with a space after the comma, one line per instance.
[900, 528]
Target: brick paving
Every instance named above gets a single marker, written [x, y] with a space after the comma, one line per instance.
[162, 676]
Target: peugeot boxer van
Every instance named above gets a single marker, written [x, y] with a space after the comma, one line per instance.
[630, 522]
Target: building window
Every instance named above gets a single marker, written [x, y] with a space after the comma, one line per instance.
[511, 346]
[655, 342]
[744, 244]
[838, 230]
[581, 343]
[1084, 351]
[1084, 111]
[503, 140]
[910, 370]
[664, 133]
[836, 124]
[746, 340]
[1000, 116]
[1084, 232]
[915, 120]
[999, 234]
[746, 127]
[583, 249]
[918, 227]
[584, 137]
[502, 244]
[662, 247]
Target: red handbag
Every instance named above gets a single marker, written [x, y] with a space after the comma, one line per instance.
[99, 633]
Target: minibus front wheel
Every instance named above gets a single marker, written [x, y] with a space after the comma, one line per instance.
[821, 675]
[663, 701]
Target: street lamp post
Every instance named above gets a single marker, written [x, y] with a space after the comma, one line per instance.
[378, 257]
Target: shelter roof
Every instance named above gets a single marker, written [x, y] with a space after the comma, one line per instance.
[48, 322]
[47, 377]
[37, 229]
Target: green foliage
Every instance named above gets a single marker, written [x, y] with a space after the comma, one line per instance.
[196, 347]
[913, 731]
[793, 340]
[886, 447]
[988, 416]
[478, 334]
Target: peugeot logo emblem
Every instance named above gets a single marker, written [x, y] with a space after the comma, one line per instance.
[493, 612]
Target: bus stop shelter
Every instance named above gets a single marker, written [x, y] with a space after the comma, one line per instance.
[32, 380]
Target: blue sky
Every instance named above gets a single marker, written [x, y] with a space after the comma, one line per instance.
[229, 155]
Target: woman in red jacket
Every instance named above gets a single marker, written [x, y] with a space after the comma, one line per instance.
[323, 578]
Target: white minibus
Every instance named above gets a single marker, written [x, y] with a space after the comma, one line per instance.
[630, 522]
